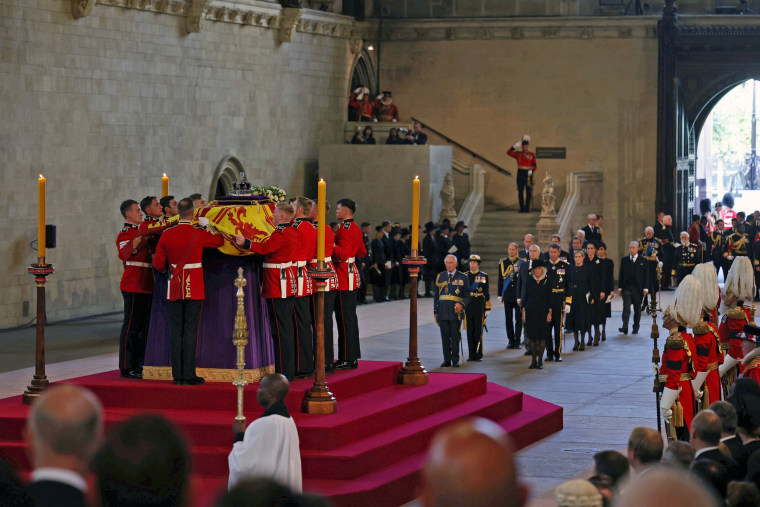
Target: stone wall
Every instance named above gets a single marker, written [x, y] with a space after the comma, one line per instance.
[589, 85]
[103, 105]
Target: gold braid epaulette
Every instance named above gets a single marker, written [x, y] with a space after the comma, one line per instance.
[701, 328]
[675, 342]
[754, 364]
[737, 313]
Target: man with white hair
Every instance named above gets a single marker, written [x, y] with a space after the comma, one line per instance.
[650, 249]
[452, 294]
[686, 257]
[633, 285]
[64, 429]
[591, 230]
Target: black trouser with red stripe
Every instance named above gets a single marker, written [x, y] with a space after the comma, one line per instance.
[304, 339]
[283, 331]
[348, 326]
[328, 320]
[134, 330]
[554, 344]
[184, 319]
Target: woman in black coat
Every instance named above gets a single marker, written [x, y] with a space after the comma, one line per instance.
[537, 312]
[580, 288]
[598, 284]
[608, 269]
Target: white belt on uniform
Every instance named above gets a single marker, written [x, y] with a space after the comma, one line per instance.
[190, 266]
[138, 264]
[327, 259]
[350, 261]
[186, 266]
[283, 275]
[301, 265]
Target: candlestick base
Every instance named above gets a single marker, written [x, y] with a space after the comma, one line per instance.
[413, 373]
[319, 399]
[41, 270]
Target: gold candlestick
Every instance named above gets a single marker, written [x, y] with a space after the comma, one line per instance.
[240, 340]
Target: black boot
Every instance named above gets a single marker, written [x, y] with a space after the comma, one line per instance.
[541, 346]
[604, 332]
[577, 345]
[583, 341]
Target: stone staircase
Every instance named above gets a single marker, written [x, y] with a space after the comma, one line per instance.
[498, 227]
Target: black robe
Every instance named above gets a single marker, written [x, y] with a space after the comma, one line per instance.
[536, 304]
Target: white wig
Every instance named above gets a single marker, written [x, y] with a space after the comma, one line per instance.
[740, 281]
[708, 277]
[688, 301]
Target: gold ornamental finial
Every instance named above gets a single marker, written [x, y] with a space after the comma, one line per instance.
[240, 340]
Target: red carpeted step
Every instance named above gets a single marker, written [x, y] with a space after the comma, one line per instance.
[538, 419]
[385, 448]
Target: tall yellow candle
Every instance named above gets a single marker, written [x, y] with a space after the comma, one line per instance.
[164, 185]
[41, 217]
[416, 213]
[321, 193]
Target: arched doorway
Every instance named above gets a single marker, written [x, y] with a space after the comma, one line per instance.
[727, 148]
[363, 74]
[227, 171]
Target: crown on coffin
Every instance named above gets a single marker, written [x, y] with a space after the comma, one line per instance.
[242, 186]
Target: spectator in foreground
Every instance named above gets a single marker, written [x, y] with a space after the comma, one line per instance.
[12, 490]
[145, 461]
[262, 492]
[472, 463]
[578, 493]
[665, 487]
[679, 455]
[742, 494]
[728, 436]
[705, 437]
[612, 464]
[64, 429]
[644, 449]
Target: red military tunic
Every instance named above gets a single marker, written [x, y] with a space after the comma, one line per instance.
[708, 356]
[138, 275]
[752, 367]
[677, 370]
[305, 251]
[733, 322]
[332, 282]
[349, 244]
[180, 250]
[278, 251]
[147, 223]
[525, 159]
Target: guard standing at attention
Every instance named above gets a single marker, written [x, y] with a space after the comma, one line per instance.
[558, 276]
[526, 166]
[687, 256]
[478, 308]
[649, 248]
[136, 289]
[304, 253]
[180, 251]
[451, 296]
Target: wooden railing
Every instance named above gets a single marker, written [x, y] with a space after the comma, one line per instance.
[459, 145]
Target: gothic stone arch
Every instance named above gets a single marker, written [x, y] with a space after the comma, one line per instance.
[227, 171]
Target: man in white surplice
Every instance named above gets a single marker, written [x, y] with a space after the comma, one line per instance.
[269, 446]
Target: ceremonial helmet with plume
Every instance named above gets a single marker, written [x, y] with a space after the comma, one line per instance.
[740, 281]
[687, 304]
[708, 277]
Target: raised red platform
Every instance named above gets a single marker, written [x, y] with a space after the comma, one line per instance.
[369, 452]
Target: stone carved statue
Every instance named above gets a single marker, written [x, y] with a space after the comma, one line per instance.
[447, 198]
[81, 8]
[548, 197]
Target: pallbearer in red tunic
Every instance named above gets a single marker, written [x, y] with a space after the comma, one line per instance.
[180, 251]
[306, 250]
[330, 291]
[708, 353]
[677, 370]
[349, 246]
[739, 286]
[137, 290]
[279, 285]
[751, 347]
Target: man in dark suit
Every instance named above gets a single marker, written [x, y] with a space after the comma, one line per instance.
[706, 428]
[452, 295]
[64, 428]
[728, 436]
[633, 285]
[591, 230]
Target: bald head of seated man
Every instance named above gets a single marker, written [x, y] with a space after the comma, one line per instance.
[472, 463]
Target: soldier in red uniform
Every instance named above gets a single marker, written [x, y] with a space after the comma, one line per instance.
[153, 212]
[279, 285]
[137, 290]
[330, 290]
[180, 251]
[751, 348]
[526, 165]
[303, 254]
[708, 354]
[349, 246]
[739, 287]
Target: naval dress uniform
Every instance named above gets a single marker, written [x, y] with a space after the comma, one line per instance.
[686, 257]
[558, 276]
[180, 251]
[137, 290]
[450, 289]
[475, 312]
[278, 287]
[651, 250]
[509, 270]
[349, 246]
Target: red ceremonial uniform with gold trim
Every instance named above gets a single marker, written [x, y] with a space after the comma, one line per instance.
[278, 249]
[349, 245]
[677, 370]
[525, 159]
[306, 250]
[733, 322]
[138, 272]
[180, 251]
[332, 282]
[708, 356]
[752, 369]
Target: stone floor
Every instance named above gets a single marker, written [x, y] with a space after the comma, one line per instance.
[605, 391]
